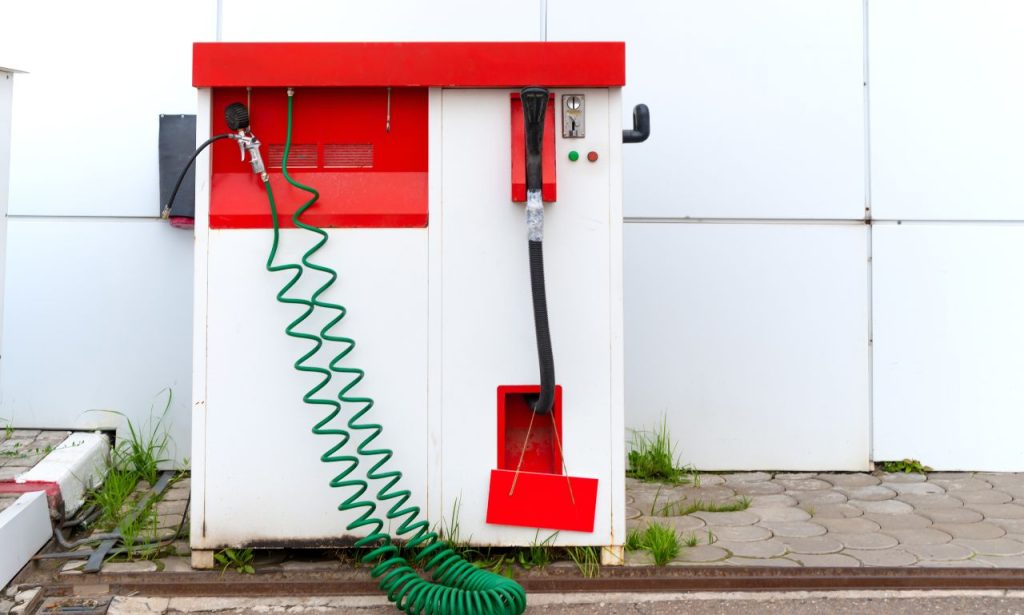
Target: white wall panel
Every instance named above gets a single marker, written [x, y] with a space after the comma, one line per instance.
[382, 20]
[949, 345]
[6, 91]
[98, 316]
[757, 106]
[753, 340]
[947, 89]
[86, 120]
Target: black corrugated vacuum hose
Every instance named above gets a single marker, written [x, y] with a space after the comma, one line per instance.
[535, 103]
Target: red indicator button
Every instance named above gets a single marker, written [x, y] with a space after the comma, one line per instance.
[592, 156]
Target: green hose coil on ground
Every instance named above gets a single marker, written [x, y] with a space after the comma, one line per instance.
[457, 586]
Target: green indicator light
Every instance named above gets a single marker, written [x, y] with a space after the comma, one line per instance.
[574, 155]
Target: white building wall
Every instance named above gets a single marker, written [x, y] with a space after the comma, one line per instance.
[6, 93]
[98, 289]
[947, 89]
[745, 209]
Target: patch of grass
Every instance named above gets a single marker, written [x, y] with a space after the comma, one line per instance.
[906, 466]
[662, 542]
[685, 507]
[652, 457]
[239, 560]
[538, 554]
[450, 533]
[114, 495]
[586, 560]
[691, 540]
[634, 540]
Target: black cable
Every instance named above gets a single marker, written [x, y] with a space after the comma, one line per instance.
[188, 165]
[545, 356]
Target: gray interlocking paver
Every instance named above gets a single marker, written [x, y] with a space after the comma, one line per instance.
[902, 477]
[710, 480]
[703, 553]
[818, 497]
[757, 488]
[952, 515]
[988, 496]
[813, 545]
[639, 558]
[873, 493]
[931, 501]
[882, 557]
[774, 562]
[743, 477]
[803, 484]
[773, 500]
[686, 523]
[739, 517]
[940, 552]
[1002, 480]
[919, 536]
[958, 519]
[999, 511]
[832, 560]
[961, 484]
[773, 547]
[794, 529]
[794, 475]
[739, 533]
[776, 514]
[1012, 526]
[994, 546]
[850, 480]
[961, 563]
[1001, 561]
[888, 507]
[855, 525]
[868, 542]
[836, 511]
[899, 521]
[916, 488]
[981, 529]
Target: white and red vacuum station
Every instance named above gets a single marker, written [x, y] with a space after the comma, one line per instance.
[422, 155]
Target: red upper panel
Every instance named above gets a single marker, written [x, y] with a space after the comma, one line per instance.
[459, 65]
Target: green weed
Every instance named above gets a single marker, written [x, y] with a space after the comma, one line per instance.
[685, 507]
[906, 466]
[586, 560]
[691, 540]
[239, 560]
[662, 542]
[652, 457]
[634, 540]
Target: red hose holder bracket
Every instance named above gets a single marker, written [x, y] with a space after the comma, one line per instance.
[548, 191]
[528, 488]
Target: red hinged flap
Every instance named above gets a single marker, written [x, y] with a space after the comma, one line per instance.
[542, 501]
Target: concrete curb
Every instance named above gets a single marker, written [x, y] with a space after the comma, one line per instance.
[54, 487]
[66, 473]
[24, 529]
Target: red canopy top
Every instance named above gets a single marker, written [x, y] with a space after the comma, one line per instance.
[461, 65]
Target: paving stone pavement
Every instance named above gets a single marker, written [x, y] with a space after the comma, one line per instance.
[960, 519]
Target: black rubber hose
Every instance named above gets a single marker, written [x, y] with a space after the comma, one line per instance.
[188, 165]
[545, 356]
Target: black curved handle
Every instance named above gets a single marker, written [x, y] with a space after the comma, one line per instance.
[535, 103]
[641, 125]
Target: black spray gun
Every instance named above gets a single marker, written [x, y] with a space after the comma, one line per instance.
[237, 118]
[535, 104]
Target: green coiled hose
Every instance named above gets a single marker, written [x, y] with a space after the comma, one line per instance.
[457, 586]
